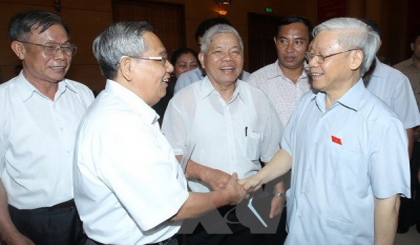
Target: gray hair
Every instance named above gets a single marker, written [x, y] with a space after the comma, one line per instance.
[357, 35]
[120, 39]
[217, 29]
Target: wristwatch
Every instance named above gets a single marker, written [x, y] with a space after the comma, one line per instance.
[279, 194]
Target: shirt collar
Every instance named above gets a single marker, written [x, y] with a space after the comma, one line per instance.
[275, 71]
[206, 88]
[351, 99]
[26, 89]
[133, 100]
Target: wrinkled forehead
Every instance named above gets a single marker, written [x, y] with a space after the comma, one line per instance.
[326, 40]
[224, 40]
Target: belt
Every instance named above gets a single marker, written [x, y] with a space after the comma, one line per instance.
[164, 242]
[68, 204]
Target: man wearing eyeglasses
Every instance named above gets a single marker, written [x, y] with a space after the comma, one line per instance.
[39, 114]
[346, 175]
[230, 125]
[129, 187]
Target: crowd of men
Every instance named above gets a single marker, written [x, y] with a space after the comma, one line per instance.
[327, 127]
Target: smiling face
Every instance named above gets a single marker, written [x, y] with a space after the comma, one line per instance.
[39, 68]
[291, 44]
[337, 73]
[148, 78]
[185, 62]
[223, 60]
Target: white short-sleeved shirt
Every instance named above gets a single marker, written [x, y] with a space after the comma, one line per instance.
[231, 137]
[342, 159]
[283, 93]
[127, 180]
[195, 75]
[37, 138]
[394, 88]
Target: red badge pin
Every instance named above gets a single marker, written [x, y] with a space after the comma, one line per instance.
[336, 140]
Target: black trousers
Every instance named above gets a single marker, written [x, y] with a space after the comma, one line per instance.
[59, 225]
[241, 235]
[410, 208]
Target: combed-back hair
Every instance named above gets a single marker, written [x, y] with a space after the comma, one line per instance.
[118, 40]
[217, 29]
[22, 24]
[294, 19]
[354, 34]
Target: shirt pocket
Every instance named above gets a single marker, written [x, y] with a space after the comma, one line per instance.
[347, 165]
[253, 145]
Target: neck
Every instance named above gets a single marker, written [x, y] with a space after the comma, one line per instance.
[292, 74]
[416, 61]
[46, 88]
[334, 95]
[226, 91]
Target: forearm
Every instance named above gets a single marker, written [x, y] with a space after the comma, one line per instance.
[410, 136]
[280, 164]
[193, 169]
[7, 227]
[386, 218]
[199, 203]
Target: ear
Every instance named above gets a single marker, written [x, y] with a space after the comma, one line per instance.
[125, 69]
[201, 58]
[19, 49]
[356, 59]
[412, 46]
[275, 40]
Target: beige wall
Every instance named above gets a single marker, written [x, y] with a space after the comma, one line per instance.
[89, 17]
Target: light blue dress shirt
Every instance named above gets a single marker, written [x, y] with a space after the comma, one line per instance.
[343, 157]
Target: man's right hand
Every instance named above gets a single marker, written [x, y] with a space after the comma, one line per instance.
[252, 183]
[235, 191]
[18, 239]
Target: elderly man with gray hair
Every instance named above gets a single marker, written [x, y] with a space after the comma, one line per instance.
[129, 187]
[229, 124]
[346, 148]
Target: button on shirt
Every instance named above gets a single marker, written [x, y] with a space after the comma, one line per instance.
[195, 75]
[342, 159]
[394, 88]
[231, 137]
[283, 92]
[128, 182]
[37, 138]
[408, 68]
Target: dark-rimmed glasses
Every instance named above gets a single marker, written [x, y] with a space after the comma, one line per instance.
[321, 58]
[51, 48]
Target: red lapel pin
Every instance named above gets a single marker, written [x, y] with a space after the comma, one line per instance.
[336, 140]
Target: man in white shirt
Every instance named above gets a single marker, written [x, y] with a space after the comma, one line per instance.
[346, 174]
[39, 114]
[229, 124]
[129, 187]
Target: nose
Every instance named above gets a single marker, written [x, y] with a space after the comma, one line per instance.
[313, 62]
[60, 54]
[290, 47]
[169, 67]
[227, 56]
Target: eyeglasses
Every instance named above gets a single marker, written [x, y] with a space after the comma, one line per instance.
[51, 49]
[162, 60]
[320, 58]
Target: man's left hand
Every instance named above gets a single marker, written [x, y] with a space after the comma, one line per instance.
[216, 179]
[277, 204]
